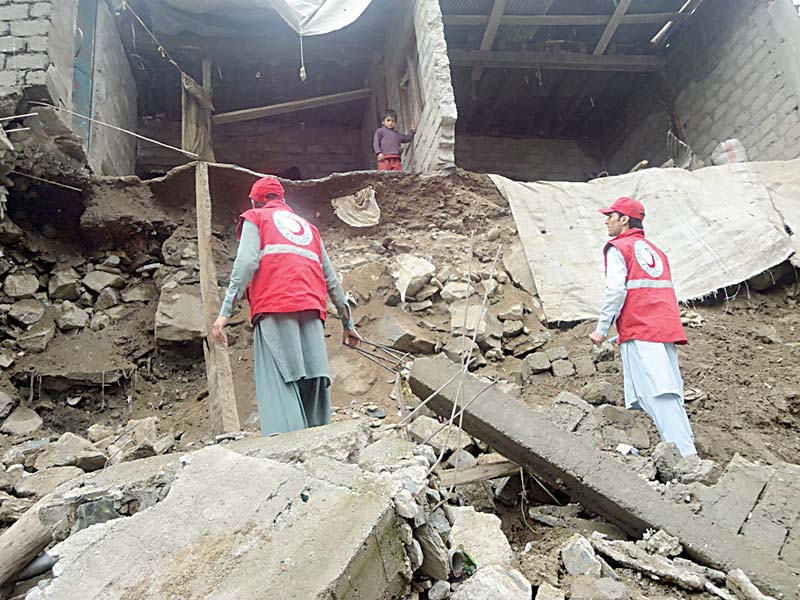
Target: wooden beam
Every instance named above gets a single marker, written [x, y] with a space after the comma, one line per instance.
[611, 28]
[566, 61]
[450, 477]
[562, 20]
[490, 33]
[222, 401]
[283, 108]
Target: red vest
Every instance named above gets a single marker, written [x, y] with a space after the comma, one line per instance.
[290, 276]
[650, 312]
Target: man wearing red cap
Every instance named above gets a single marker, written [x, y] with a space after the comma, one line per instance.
[641, 298]
[283, 268]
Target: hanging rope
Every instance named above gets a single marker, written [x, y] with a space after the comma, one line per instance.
[160, 47]
[303, 75]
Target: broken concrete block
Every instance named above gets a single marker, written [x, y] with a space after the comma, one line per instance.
[436, 562]
[598, 392]
[37, 339]
[666, 456]
[267, 511]
[627, 554]
[562, 368]
[422, 428]
[777, 510]
[97, 281]
[402, 333]
[730, 501]
[516, 265]
[92, 513]
[179, 317]
[592, 588]
[533, 364]
[64, 285]
[38, 485]
[523, 345]
[494, 581]
[744, 589]
[469, 319]
[405, 505]
[661, 543]
[22, 421]
[411, 274]
[72, 317]
[21, 285]
[26, 312]
[578, 557]
[692, 468]
[480, 535]
[462, 458]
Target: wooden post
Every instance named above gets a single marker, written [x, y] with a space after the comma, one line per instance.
[22, 542]
[611, 28]
[222, 401]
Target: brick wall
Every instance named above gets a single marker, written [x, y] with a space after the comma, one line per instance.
[434, 145]
[266, 146]
[525, 159]
[735, 74]
[24, 30]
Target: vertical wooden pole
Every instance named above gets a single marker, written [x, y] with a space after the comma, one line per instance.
[209, 146]
[222, 400]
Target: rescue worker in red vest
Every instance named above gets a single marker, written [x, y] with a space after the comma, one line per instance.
[641, 298]
[283, 268]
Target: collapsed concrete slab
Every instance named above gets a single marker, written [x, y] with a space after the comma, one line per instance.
[248, 526]
[591, 477]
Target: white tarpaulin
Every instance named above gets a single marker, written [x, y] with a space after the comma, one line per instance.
[719, 226]
[306, 17]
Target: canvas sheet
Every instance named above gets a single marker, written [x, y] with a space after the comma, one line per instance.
[719, 226]
[306, 17]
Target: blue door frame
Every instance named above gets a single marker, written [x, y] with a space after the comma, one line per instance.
[83, 68]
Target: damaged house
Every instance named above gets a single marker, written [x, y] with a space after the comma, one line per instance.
[480, 448]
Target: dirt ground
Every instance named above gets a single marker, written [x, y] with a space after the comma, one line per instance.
[742, 357]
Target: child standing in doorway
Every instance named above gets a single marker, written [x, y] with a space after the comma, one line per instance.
[386, 142]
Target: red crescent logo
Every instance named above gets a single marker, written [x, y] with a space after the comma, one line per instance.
[652, 262]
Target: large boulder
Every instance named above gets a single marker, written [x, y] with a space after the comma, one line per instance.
[26, 312]
[22, 421]
[97, 281]
[64, 284]
[21, 285]
[179, 316]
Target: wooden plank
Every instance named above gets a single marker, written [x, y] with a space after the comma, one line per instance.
[561, 20]
[490, 33]
[222, 401]
[480, 473]
[567, 61]
[611, 28]
[249, 114]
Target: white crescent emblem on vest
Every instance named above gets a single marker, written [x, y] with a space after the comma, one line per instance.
[648, 259]
[293, 228]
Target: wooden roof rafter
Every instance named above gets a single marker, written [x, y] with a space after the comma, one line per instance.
[489, 33]
[611, 28]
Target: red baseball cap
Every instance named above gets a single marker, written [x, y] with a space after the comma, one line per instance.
[264, 186]
[625, 206]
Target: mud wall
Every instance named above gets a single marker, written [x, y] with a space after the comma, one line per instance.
[525, 159]
[735, 73]
[114, 101]
[418, 85]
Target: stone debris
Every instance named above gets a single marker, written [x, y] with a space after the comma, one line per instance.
[7, 404]
[455, 291]
[479, 535]
[97, 281]
[579, 558]
[21, 285]
[661, 543]
[37, 485]
[744, 589]
[22, 421]
[568, 411]
[494, 581]
[72, 317]
[71, 450]
[27, 312]
[400, 332]
[439, 591]
[424, 428]
[548, 592]
[673, 467]
[411, 274]
[593, 588]
[597, 392]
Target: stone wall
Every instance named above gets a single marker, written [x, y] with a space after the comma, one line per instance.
[265, 146]
[525, 159]
[434, 145]
[735, 74]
